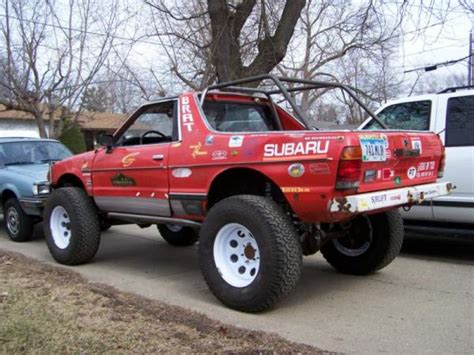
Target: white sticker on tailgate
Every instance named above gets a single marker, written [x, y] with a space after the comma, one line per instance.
[373, 148]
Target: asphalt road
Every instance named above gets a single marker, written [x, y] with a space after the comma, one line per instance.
[422, 302]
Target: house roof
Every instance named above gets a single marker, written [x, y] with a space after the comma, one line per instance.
[87, 120]
[19, 115]
[101, 120]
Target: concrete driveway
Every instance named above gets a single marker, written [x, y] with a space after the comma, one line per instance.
[422, 302]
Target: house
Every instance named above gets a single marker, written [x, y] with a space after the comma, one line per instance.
[15, 123]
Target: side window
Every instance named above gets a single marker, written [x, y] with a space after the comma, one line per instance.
[460, 122]
[156, 124]
[408, 115]
[238, 117]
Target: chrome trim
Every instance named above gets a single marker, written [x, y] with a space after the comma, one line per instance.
[134, 218]
[145, 205]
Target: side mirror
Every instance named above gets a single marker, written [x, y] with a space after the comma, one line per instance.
[106, 140]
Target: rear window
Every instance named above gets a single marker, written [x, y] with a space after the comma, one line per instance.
[460, 122]
[238, 117]
[408, 115]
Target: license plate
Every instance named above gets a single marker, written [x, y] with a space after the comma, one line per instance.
[373, 149]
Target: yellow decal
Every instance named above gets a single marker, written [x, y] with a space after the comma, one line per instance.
[129, 159]
[85, 165]
[197, 150]
[296, 189]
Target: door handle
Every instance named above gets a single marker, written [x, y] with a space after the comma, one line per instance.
[158, 157]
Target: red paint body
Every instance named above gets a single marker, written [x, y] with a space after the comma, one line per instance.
[309, 195]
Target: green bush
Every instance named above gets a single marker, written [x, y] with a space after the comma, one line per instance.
[73, 139]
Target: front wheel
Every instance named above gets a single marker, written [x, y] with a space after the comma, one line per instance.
[372, 243]
[17, 223]
[71, 226]
[249, 253]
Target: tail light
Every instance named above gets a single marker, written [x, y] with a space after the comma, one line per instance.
[348, 173]
[442, 163]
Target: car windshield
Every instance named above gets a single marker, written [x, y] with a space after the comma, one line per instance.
[32, 152]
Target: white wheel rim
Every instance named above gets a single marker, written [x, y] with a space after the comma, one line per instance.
[236, 255]
[174, 227]
[13, 220]
[60, 226]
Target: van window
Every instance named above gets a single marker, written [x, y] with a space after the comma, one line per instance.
[408, 115]
[460, 122]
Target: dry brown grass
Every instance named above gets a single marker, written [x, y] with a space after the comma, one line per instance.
[52, 310]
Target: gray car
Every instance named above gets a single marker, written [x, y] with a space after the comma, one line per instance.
[24, 186]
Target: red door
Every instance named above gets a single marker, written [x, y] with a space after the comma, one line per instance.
[132, 177]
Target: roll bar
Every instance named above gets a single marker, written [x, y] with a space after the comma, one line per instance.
[234, 86]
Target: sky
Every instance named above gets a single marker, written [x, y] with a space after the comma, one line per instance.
[437, 44]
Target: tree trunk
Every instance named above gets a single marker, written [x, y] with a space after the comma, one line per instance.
[226, 26]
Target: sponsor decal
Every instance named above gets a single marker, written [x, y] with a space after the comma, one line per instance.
[181, 172]
[411, 172]
[295, 189]
[85, 166]
[370, 175]
[236, 141]
[426, 169]
[219, 155]
[234, 153]
[363, 205]
[378, 199]
[318, 137]
[196, 150]
[397, 197]
[129, 159]
[209, 140]
[387, 174]
[416, 144]
[122, 180]
[296, 170]
[310, 149]
[397, 180]
[319, 168]
[186, 115]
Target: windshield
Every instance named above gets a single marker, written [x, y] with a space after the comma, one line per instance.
[32, 152]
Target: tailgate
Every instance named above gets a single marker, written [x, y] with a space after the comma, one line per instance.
[394, 159]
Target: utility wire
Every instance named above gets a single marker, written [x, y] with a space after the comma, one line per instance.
[437, 65]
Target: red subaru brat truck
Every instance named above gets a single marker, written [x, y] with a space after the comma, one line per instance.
[253, 183]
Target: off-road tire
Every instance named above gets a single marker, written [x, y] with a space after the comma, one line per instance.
[84, 225]
[279, 247]
[387, 240]
[24, 223]
[186, 236]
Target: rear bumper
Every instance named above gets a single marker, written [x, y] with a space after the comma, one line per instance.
[389, 198]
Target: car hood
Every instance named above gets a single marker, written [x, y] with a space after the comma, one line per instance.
[37, 172]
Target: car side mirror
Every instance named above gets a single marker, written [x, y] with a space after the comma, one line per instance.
[106, 140]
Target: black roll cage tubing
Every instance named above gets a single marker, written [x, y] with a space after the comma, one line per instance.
[232, 86]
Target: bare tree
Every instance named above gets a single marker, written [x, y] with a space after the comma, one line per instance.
[224, 40]
[52, 53]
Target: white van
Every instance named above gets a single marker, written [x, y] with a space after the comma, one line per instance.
[449, 113]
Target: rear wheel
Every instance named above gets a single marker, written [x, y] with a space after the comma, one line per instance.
[249, 253]
[372, 243]
[177, 235]
[17, 223]
[72, 226]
